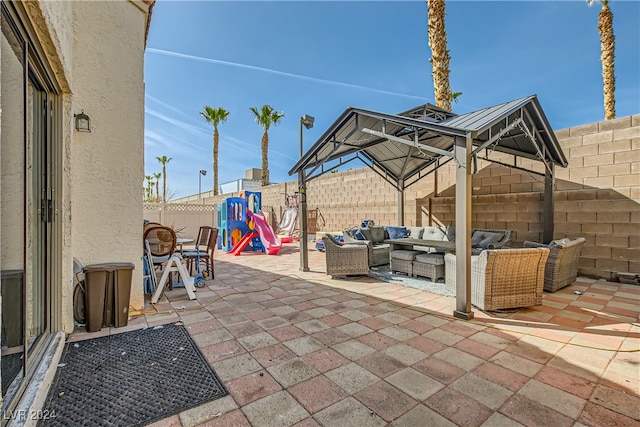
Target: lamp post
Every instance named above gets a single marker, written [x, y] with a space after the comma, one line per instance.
[200, 175]
[307, 121]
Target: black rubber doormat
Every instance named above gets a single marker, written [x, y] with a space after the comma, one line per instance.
[130, 379]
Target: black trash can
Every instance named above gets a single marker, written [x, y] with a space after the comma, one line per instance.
[107, 294]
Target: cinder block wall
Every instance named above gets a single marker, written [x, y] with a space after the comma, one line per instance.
[596, 197]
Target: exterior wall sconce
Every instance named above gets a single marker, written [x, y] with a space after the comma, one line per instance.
[83, 122]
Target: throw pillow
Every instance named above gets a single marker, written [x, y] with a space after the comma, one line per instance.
[451, 233]
[377, 234]
[559, 242]
[415, 232]
[397, 232]
[434, 233]
[485, 239]
[359, 235]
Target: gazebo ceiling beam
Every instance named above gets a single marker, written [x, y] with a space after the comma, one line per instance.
[363, 155]
[498, 136]
[534, 141]
[515, 152]
[371, 164]
[420, 175]
[408, 142]
[325, 171]
[336, 147]
[520, 168]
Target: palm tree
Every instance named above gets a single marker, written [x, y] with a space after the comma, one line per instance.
[149, 189]
[163, 161]
[439, 53]
[266, 117]
[214, 116]
[157, 177]
[607, 56]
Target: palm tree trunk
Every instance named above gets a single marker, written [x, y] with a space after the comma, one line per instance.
[439, 53]
[215, 160]
[164, 183]
[607, 55]
[265, 158]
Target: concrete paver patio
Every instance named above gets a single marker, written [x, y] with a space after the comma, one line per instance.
[303, 349]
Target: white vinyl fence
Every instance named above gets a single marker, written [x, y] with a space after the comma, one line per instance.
[185, 219]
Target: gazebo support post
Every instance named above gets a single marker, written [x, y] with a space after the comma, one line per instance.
[463, 147]
[400, 203]
[302, 194]
[548, 208]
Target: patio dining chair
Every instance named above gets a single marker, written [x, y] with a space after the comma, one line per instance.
[162, 242]
[206, 246]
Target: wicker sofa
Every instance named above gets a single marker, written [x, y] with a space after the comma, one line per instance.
[344, 259]
[505, 278]
[562, 265]
[481, 238]
[379, 252]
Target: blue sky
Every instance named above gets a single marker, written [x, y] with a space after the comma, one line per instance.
[321, 57]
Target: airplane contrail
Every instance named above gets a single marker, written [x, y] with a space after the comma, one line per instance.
[282, 73]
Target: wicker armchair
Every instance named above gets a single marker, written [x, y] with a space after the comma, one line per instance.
[562, 265]
[375, 235]
[503, 278]
[344, 259]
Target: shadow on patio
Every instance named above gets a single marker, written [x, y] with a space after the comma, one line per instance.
[303, 349]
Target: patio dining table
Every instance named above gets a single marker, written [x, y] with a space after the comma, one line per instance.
[182, 241]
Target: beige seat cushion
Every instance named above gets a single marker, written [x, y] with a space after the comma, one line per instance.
[434, 259]
[404, 254]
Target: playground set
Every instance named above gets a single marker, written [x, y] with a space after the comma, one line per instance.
[243, 226]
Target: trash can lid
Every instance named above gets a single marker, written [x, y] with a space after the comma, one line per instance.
[109, 266]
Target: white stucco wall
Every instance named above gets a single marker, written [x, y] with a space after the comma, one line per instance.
[107, 164]
[96, 51]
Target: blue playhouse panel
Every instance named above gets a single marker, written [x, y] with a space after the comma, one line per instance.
[232, 216]
[222, 226]
[256, 199]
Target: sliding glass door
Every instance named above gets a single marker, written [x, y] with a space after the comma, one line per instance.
[26, 205]
[12, 207]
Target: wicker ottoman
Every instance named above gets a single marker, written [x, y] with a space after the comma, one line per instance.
[429, 265]
[402, 260]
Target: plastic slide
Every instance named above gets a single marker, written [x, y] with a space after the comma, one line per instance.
[269, 240]
[288, 225]
[242, 243]
[288, 219]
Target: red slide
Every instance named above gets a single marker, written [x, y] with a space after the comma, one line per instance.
[242, 243]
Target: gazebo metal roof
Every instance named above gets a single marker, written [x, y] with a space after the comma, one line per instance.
[404, 147]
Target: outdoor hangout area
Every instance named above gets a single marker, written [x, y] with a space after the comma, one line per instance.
[303, 348]
[494, 302]
[201, 230]
[358, 325]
